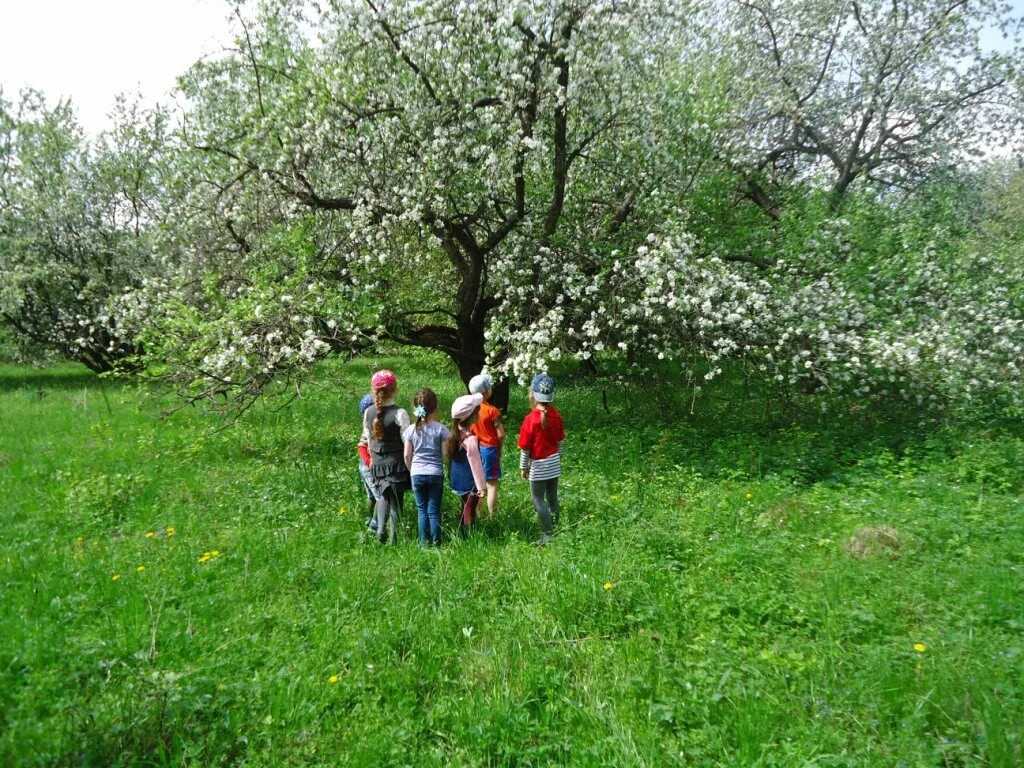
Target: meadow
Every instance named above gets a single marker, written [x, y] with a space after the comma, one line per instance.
[739, 580]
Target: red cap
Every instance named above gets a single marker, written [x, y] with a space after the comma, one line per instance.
[382, 379]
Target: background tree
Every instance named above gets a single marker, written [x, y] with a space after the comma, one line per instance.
[874, 91]
[518, 184]
[76, 226]
[410, 168]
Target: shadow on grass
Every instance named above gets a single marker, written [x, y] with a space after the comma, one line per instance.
[740, 429]
[66, 376]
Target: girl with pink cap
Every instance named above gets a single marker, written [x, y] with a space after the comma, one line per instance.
[462, 453]
[383, 425]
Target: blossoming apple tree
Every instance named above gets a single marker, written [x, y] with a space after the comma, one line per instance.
[76, 226]
[418, 172]
[513, 183]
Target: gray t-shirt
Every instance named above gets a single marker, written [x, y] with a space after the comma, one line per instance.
[427, 448]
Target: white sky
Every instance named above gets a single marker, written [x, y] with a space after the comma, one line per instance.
[91, 50]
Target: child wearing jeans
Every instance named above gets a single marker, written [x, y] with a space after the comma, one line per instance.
[465, 470]
[383, 425]
[490, 432]
[424, 455]
[540, 457]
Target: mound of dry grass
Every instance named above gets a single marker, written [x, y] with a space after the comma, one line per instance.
[874, 541]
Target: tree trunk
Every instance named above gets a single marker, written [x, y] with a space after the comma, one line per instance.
[471, 358]
[469, 365]
[97, 359]
[96, 363]
[500, 396]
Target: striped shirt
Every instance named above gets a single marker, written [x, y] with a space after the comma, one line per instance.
[547, 468]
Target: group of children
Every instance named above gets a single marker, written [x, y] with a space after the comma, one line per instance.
[398, 453]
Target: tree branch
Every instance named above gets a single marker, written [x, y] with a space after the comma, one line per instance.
[396, 44]
[560, 168]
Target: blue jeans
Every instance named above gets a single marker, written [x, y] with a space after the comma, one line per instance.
[428, 489]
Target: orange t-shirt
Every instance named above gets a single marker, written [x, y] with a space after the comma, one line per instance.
[486, 427]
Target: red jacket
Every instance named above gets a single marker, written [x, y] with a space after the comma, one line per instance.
[537, 441]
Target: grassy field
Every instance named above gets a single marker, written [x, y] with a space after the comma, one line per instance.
[741, 585]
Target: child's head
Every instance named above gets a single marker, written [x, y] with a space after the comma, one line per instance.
[481, 384]
[424, 405]
[542, 390]
[385, 386]
[465, 411]
[365, 403]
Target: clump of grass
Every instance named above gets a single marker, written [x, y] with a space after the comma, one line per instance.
[875, 541]
[783, 512]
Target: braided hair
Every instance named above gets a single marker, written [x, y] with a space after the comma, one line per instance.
[379, 396]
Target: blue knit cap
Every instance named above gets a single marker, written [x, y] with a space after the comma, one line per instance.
[365, 403]
[543, 388]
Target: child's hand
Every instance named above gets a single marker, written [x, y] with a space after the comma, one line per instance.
[525, 474]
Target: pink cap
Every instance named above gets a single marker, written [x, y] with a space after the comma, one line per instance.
[382, 379]
[464, 406]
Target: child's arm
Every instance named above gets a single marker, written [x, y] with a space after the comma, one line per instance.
[403, 420]
[476, 465]
[408, 451]
[525, 434]
[364, 440]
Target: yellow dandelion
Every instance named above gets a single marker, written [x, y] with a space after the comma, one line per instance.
[171, 531]
[920, 647]
[332, 680]
[750, 496]
[150, 534]
[116, 577]
[607, 585]
[140, 569]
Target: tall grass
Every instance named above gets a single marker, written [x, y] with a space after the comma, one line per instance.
[175, 592]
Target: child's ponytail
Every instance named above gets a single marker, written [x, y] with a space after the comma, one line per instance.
[425, 403]
[542, 407]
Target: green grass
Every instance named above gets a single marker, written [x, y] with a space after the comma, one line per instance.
[737, 629]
